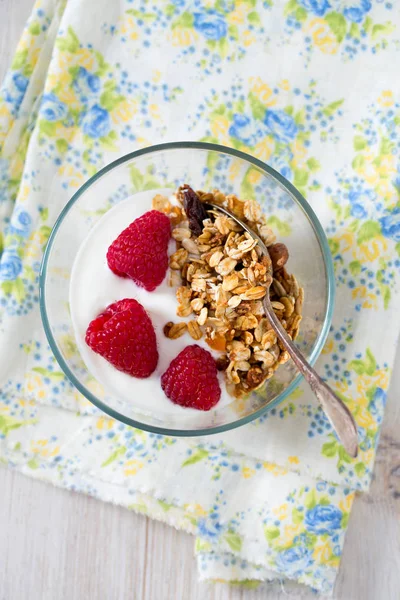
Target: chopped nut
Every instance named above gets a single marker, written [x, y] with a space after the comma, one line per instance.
[161, 203]
[194, 330]
[246, 322]
[279, 255]
[178, 259]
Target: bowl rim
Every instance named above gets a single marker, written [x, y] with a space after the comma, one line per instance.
[298, 198]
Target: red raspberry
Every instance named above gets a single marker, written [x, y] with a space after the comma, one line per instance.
[124, 335]
[191, 379]
[141, 250]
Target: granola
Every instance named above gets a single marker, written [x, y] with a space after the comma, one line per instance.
[221, 277]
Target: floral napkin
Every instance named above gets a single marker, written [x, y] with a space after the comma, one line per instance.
[312, 88]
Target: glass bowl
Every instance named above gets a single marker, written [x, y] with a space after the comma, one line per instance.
[203, 166]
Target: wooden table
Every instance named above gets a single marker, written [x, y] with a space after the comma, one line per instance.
[59, 545]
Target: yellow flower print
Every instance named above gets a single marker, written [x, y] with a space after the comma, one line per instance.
[289, 533]
[247, 472]
[234, 170]
[96, 388]
[68, 96]
[44, 449]
[35, 385]
[183, 37]
[262, 91]
[248, 38]
[131, 467]
[274, 469]
[156, 76]
[264, 148]
[281, 512]
[386, 98]
[128, 27]
[364, 418]
[323, 555]
[124, 111]
[154, 111]
[373, 249]
[105, 424]
[329, 347]
[195, 509]
[346, 241]
[285, 85]
[254, 176]
[219, 128]
[294, 460]
[299, 154]
[347, 502]
[361, 292]
[322, 36]
[75, 177]
[237, 16]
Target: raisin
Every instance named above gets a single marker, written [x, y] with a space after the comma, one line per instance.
[194, 209]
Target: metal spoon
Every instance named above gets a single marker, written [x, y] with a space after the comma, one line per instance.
[337, 412]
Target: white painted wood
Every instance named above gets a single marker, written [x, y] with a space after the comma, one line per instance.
[59, 545]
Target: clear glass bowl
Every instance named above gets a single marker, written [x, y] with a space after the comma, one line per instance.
[203, 166]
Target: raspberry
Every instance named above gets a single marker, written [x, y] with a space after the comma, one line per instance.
[191, 379]
[141, 250]
[124, 335]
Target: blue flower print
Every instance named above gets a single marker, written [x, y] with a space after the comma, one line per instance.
[10, 266]
[363, 203]
[391, 224]
[318, 7]
[96, 122]
[21, 222]
[281, 125]
[377, 404]
[281, 162]
[52, 109]
[294, 561]
[86, 83]
[243, 128]
[356, 10]
[322, 519]
[209, 529]
[16, 91]
[211, 24]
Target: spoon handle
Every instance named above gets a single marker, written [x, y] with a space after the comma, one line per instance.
[337, 412]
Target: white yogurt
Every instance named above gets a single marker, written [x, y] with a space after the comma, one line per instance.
[94, 286]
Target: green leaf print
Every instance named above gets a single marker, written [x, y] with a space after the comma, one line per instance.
[8, 423]
[359, 469]
[110, 99]
[56, 375]
[62, 145]
[164, 505]
[290, 7]
[381, 29]
[19, 290]
[247, 584]
[257, 107]
[202, 545]
[149, 17]
[34, 28]
[368, 231]
[330, 109]
[300, 14]
[355, 267]
[184, 21]
[366, 366]
[345, 520]
[297, 516]
[329, 449]
[337, 24]
[44, 214]
[358, 162]
[233, 32]
[271, 532]
[359, 142]
[300, 177]
[367, 24]
[47, 128]
[277, 224]
[33, 463]
[195, 458]
[355, 31]
[397, 247]
[68, 43]
[19, 59]
[234, 541]
[1, 243]
[310, 500]
[313, 164]
[386, 147]
[254, 18]
[116, 454]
